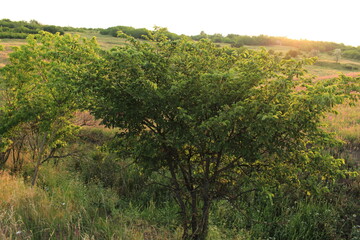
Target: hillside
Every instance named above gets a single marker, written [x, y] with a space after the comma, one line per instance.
[193, 140]
[11, 31]
[325, 67]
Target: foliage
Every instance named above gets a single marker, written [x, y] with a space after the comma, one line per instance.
[21, 29]
[38, 98]
[292, 54]
[226, 131]
[61, 205]
[353, 53]
[139, 33]
[238, 40]
[262, 40]
[218, 124]
[136, 33]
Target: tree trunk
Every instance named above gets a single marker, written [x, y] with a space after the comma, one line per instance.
[200, 217]
[38, 163]
[4, 156]
[194, 212]
[202, 227]
[39, 159]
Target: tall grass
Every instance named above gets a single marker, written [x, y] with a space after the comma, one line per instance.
[346, 123]
[62, 207]
[96, 195]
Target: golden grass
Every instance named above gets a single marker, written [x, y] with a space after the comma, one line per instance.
[8, 45]
[14, 195]
[13, 190]
[276, 48]
[105, 41]
[66, 209]
[322, 71]
[346, 124]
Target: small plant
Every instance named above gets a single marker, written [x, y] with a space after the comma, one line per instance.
[355, 233]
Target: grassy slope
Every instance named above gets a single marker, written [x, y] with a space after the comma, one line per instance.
[327, 67]
[8, 44]
[108, 42]
[60, 207]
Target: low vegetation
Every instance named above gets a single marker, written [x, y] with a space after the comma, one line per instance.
[21, 29]
[195, 142]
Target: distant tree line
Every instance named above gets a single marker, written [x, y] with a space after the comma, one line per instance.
[263, 40]
[352, 52]
[21, 29]
[139, 33]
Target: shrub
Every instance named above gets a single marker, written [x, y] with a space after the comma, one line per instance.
[292, 54]
[352, 53]
[53, 29]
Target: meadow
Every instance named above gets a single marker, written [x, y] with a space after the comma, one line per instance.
[95, 194]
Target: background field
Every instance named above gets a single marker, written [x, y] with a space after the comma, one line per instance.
[97, 196]
[325, 67]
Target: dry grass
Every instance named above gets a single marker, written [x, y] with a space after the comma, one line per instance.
[105, 41]
[13, 191]
[8, 44]
[276, 48]
[13, 195]
[66, 209]
[325, 72]
[346, 124]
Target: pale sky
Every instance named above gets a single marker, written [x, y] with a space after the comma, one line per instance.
[322, 20]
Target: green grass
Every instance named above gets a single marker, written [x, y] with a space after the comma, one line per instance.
[63, 207]
[326, 66]
[106, 42]
[276, 48]
[96, 195]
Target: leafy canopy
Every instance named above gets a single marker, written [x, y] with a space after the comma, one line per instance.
[217, 122]
[38, 97]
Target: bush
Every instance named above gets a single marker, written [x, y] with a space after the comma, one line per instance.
[13, 35]
[53, 29]
[21, 29]
[136, 33]
[292, 54]
[237, 44]
[353, 53]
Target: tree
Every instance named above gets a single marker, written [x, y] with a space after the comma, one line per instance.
[38, 99]
[215, 122]
[337, 54]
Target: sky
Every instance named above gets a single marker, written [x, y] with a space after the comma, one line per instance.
[320, 20]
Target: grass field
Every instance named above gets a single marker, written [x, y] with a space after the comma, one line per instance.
[94, 194]
[326, 67]
[106, 42]
[8, 44]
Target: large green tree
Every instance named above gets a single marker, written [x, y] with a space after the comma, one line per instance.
[215, 122]
[38, 96]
